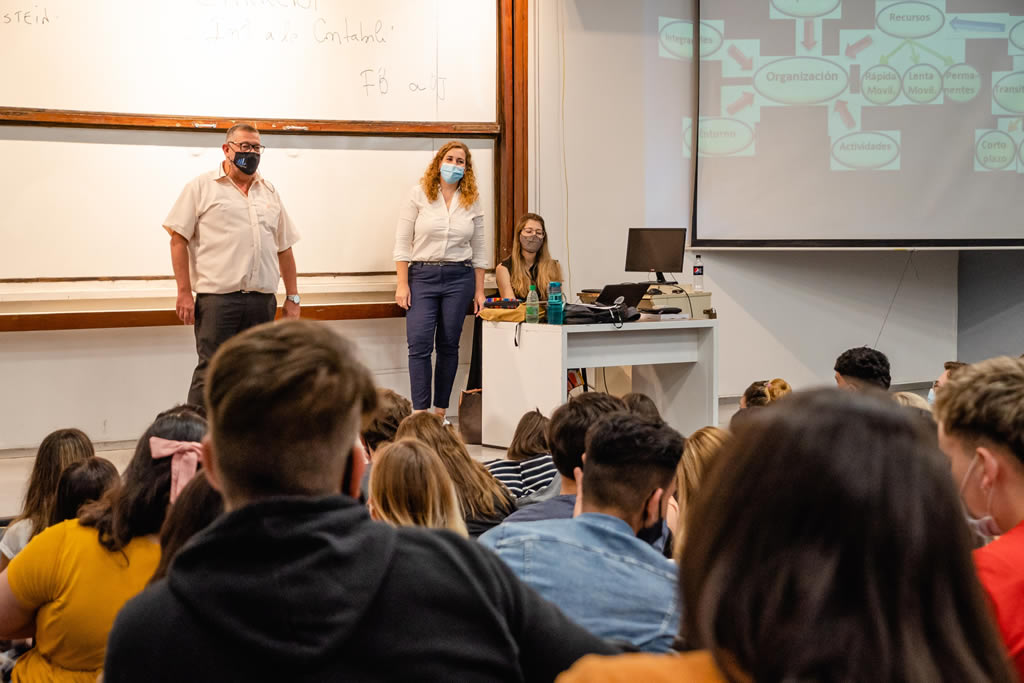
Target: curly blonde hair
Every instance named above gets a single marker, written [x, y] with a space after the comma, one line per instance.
[431, 180]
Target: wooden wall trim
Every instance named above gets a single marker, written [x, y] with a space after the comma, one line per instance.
[519, 129]
[513, 142]
[94, 119]
[91, 320]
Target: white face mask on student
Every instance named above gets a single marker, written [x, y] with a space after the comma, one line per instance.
[986, 526]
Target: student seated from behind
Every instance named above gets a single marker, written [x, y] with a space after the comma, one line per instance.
[70, 581]
[295, 582]
[484, 500]
[530, 262]
[980, 412]
[949, 368]
[392, 408]
[58, 450]
[641, 404]
[827, 545]
[198, 506]
[763, 392]
[566, 434]
[862, 368]
[529, 467]
[411, 487]
[702, 447]
[595, 566]
[80, 483]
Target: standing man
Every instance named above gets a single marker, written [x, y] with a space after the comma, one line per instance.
[231, 239]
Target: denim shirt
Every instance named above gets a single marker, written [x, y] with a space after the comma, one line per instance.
[599, 573]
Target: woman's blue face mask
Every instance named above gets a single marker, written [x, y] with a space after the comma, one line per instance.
[451, 173]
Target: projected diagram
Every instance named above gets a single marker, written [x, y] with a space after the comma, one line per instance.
[915, 55]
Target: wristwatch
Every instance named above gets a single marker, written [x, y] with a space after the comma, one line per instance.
[294, 298]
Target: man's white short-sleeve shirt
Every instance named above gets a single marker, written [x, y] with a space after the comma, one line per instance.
[233, 239]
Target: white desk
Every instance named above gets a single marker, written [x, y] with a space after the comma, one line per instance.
[674, 362]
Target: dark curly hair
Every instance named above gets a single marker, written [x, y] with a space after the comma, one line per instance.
[866, 364]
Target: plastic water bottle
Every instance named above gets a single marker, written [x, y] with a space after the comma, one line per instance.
[532, 306]
[556, 304]
[698, 275]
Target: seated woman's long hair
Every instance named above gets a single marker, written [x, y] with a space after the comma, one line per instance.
[701, 449]
[481, 496]
[57, 451]
[198, 506]
[138, 506]
[827, 543]
[409, 486]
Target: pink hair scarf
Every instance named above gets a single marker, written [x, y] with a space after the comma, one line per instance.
[185, 458]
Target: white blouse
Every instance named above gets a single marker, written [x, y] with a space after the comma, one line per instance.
[430, 231]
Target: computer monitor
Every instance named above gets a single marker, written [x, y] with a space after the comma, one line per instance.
[655, 250]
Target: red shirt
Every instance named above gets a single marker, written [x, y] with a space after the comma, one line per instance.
[1000, 567]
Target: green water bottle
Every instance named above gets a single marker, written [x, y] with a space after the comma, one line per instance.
[532, 306]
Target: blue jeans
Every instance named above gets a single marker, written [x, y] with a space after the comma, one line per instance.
[440, 297]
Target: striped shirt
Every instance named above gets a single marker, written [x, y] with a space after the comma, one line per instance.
[524, 477]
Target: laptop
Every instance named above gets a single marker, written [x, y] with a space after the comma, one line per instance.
[631, 293]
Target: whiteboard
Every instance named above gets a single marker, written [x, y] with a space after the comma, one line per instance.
[386, 60]
[84, 203]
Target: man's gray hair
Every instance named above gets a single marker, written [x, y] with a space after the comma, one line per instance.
[244, 127]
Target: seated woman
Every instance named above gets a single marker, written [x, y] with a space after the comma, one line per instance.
[529, 466]
[641, 404]
[761, 393]
[530, 262]
[67, 585]
[484, 500]
[828, 543]
[410, 487]
[701, 449]
[195, 509]
[81, 483]
[58, 450]
[392, 408]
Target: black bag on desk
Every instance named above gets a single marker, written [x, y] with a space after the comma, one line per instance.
[581, 314]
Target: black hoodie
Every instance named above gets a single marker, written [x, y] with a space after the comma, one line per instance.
[310, 589]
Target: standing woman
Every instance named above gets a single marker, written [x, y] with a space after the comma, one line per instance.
[530, 262]
[440, 260]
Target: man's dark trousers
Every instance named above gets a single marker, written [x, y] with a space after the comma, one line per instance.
[220, 317]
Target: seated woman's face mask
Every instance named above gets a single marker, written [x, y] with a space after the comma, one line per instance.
[531, 243]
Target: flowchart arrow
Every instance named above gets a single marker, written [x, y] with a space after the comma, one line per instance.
[742, 103]
[856, 48]
[959, 24]
[915, 56]
[946, 59]
[844, 113]
[809, 41]
[745, 62]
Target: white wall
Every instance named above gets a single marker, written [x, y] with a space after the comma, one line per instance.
[782, 314]
[991, 305]
[111, 383]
